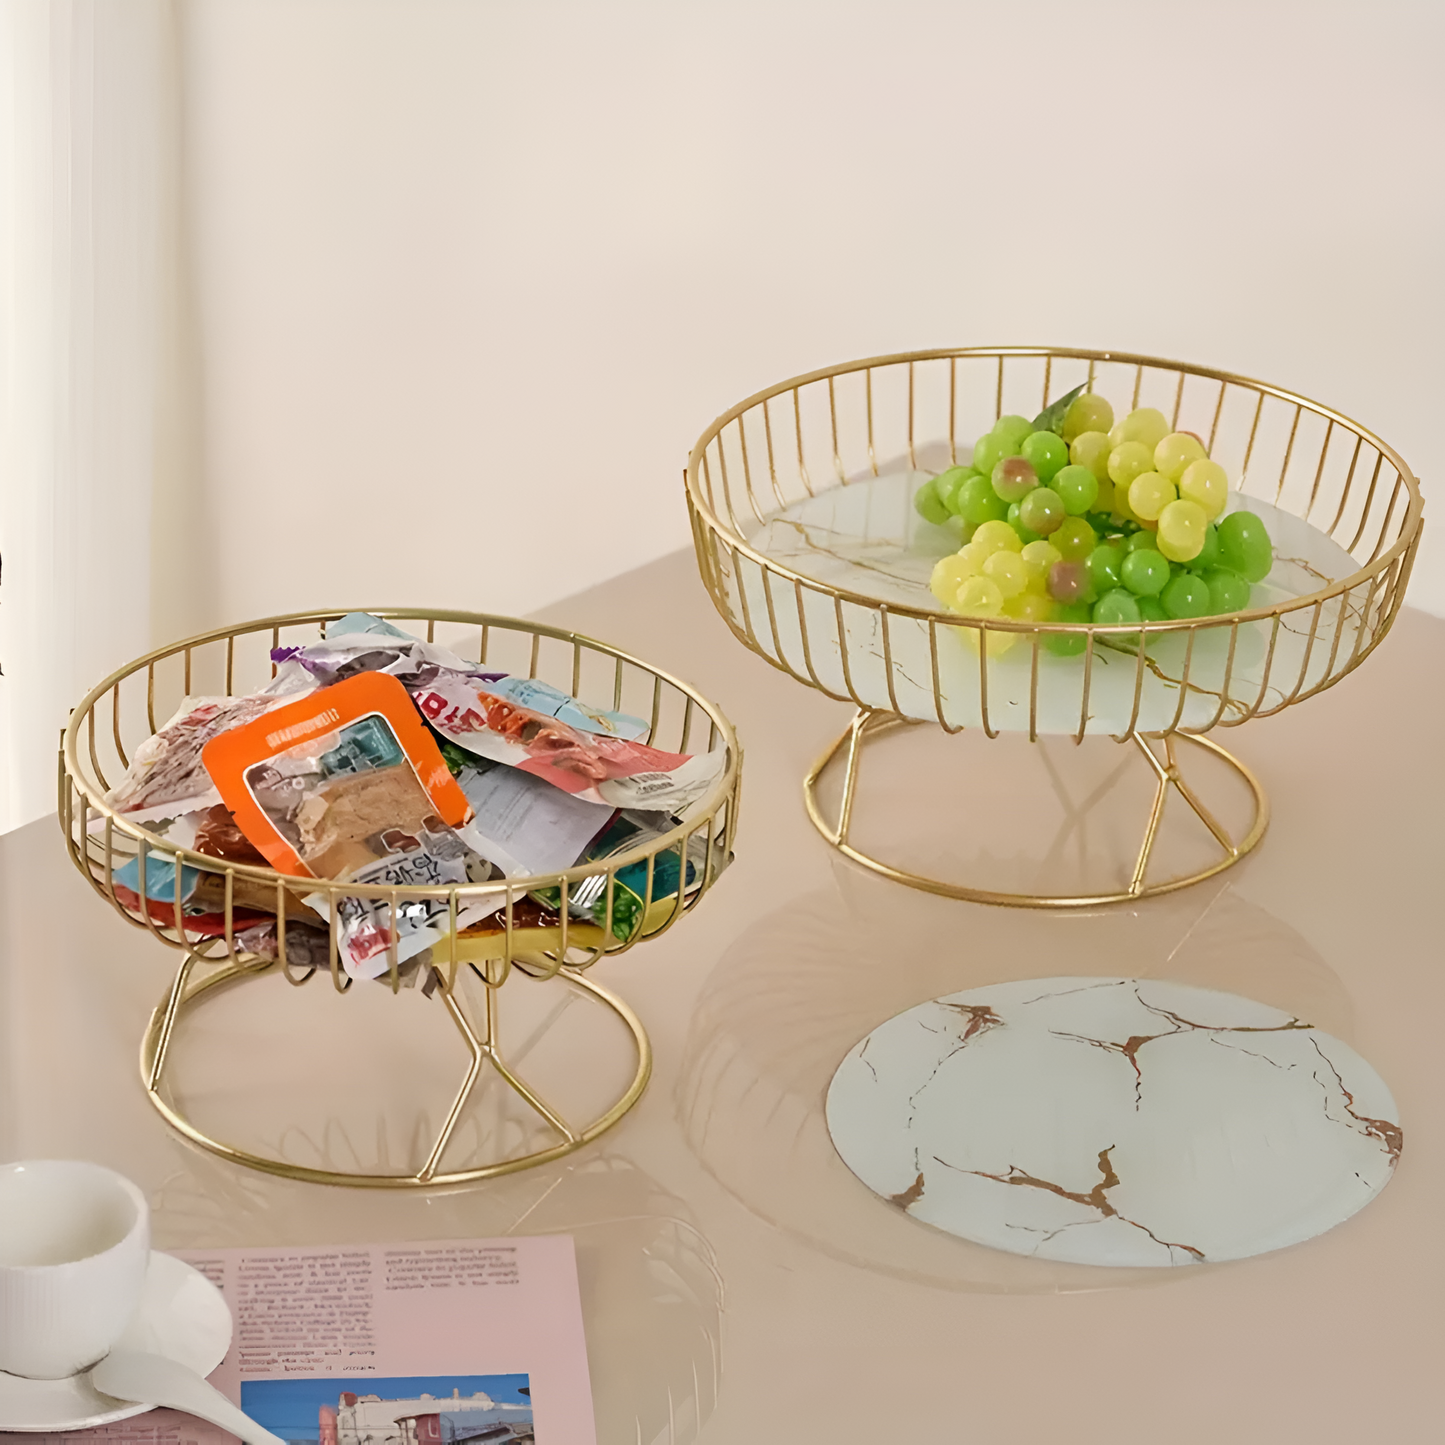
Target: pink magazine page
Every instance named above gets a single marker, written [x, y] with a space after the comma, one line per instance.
[454, 1342]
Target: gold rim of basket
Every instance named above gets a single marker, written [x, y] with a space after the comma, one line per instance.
[1409, 525]
[721, 792]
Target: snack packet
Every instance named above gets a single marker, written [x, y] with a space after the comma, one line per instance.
[346, 783]
[360, 642]
[609, 770]
[631, 896]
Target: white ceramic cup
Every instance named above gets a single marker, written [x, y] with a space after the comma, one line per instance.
[74, 1248]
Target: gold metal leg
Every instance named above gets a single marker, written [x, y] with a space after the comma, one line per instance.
[868, 725]
[484, 1049]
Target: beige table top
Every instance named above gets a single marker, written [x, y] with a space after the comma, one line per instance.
[735, 1276]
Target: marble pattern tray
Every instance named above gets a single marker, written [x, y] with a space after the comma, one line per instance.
[1114, 1121]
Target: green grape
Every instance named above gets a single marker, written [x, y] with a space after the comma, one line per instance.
[1041, 511]
[1024, 535]
[946, 485]
[1069, 644]
[979, 597]
[1187, 595]
[1075, 539]
[1114, 608]
[1137, 540]
[1046, 453]
[1106, 563]
[1206, 483]
[1069, 582]
[1129, 460]
[1014, 479]
[949, 574]
[1244, 546]
[1008, 571]
[1182, 527]
[1151, 609]
[988, 452]
[1228, 591]
[1011, 431]
[995, 536]
[1091, 449]
[1208, 555]
[976, 501]
[1087, 413]
[929, 506]
[1077, 486]
[1175, 452]
[1145, 573]
[1149, 494]
[1147, 426]
[1028, 607]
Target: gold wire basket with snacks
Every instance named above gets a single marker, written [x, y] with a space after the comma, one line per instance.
[809, 542]
[231, 919]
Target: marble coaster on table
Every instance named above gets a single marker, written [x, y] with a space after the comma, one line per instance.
[1114, 1121]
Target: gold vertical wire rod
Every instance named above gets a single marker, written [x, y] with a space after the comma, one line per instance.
[576, 668]
[1218, 410]
[833, 424]
[1093, 367]
[772, 461]
[798, 431]
[743, 594]
[393, 943]
[115, 726]
[1253, 431]
[656, 709]
[912, 459]
[1178, 402]
[998, 391]
[1184, 679]
[1288, 453]
[933, 674]
[1349, 483]
[532, 660]
[230, 666]
[883, 615]
[748, 470]
[803, 632]
[1308, 653]
[1033, 641]
[151, 697]
[952, 414]
[727, 486]
[94, 756]
[1048, 373]
[1138, 382]
[1369, 502]
[485, 644]
[1224, 686]
[275, 643]
[617, 686]
[706, 467]
[186, 675]
[1084, 691]
[1320, 468]
[333, 944]
[771, 608]
[1265, 673]
[982, 631]
[843, 651]
[1389, 516]
[1141, 640]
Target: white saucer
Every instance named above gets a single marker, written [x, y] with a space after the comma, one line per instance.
[181, 1315]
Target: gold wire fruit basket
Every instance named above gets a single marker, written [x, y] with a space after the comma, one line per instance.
[800, 498]
[522, 943]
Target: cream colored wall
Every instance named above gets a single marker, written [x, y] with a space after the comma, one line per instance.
[470, 277]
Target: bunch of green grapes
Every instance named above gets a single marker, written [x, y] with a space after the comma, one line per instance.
[1071, 518]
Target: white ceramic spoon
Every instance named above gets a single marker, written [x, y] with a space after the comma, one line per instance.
[150, 1379]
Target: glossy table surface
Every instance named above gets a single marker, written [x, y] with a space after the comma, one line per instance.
[738, 1283]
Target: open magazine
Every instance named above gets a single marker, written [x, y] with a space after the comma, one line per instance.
[458, 1342]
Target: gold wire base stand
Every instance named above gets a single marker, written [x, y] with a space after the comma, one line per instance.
[483, 1046]
[869, 725]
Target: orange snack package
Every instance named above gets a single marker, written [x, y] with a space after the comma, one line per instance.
[347, 775]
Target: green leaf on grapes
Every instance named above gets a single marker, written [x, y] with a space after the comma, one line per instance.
[1051, 418]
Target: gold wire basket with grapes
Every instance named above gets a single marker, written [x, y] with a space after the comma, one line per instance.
[828, 548]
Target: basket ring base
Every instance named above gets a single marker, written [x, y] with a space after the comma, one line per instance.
[485, 1054]
[868, 725]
